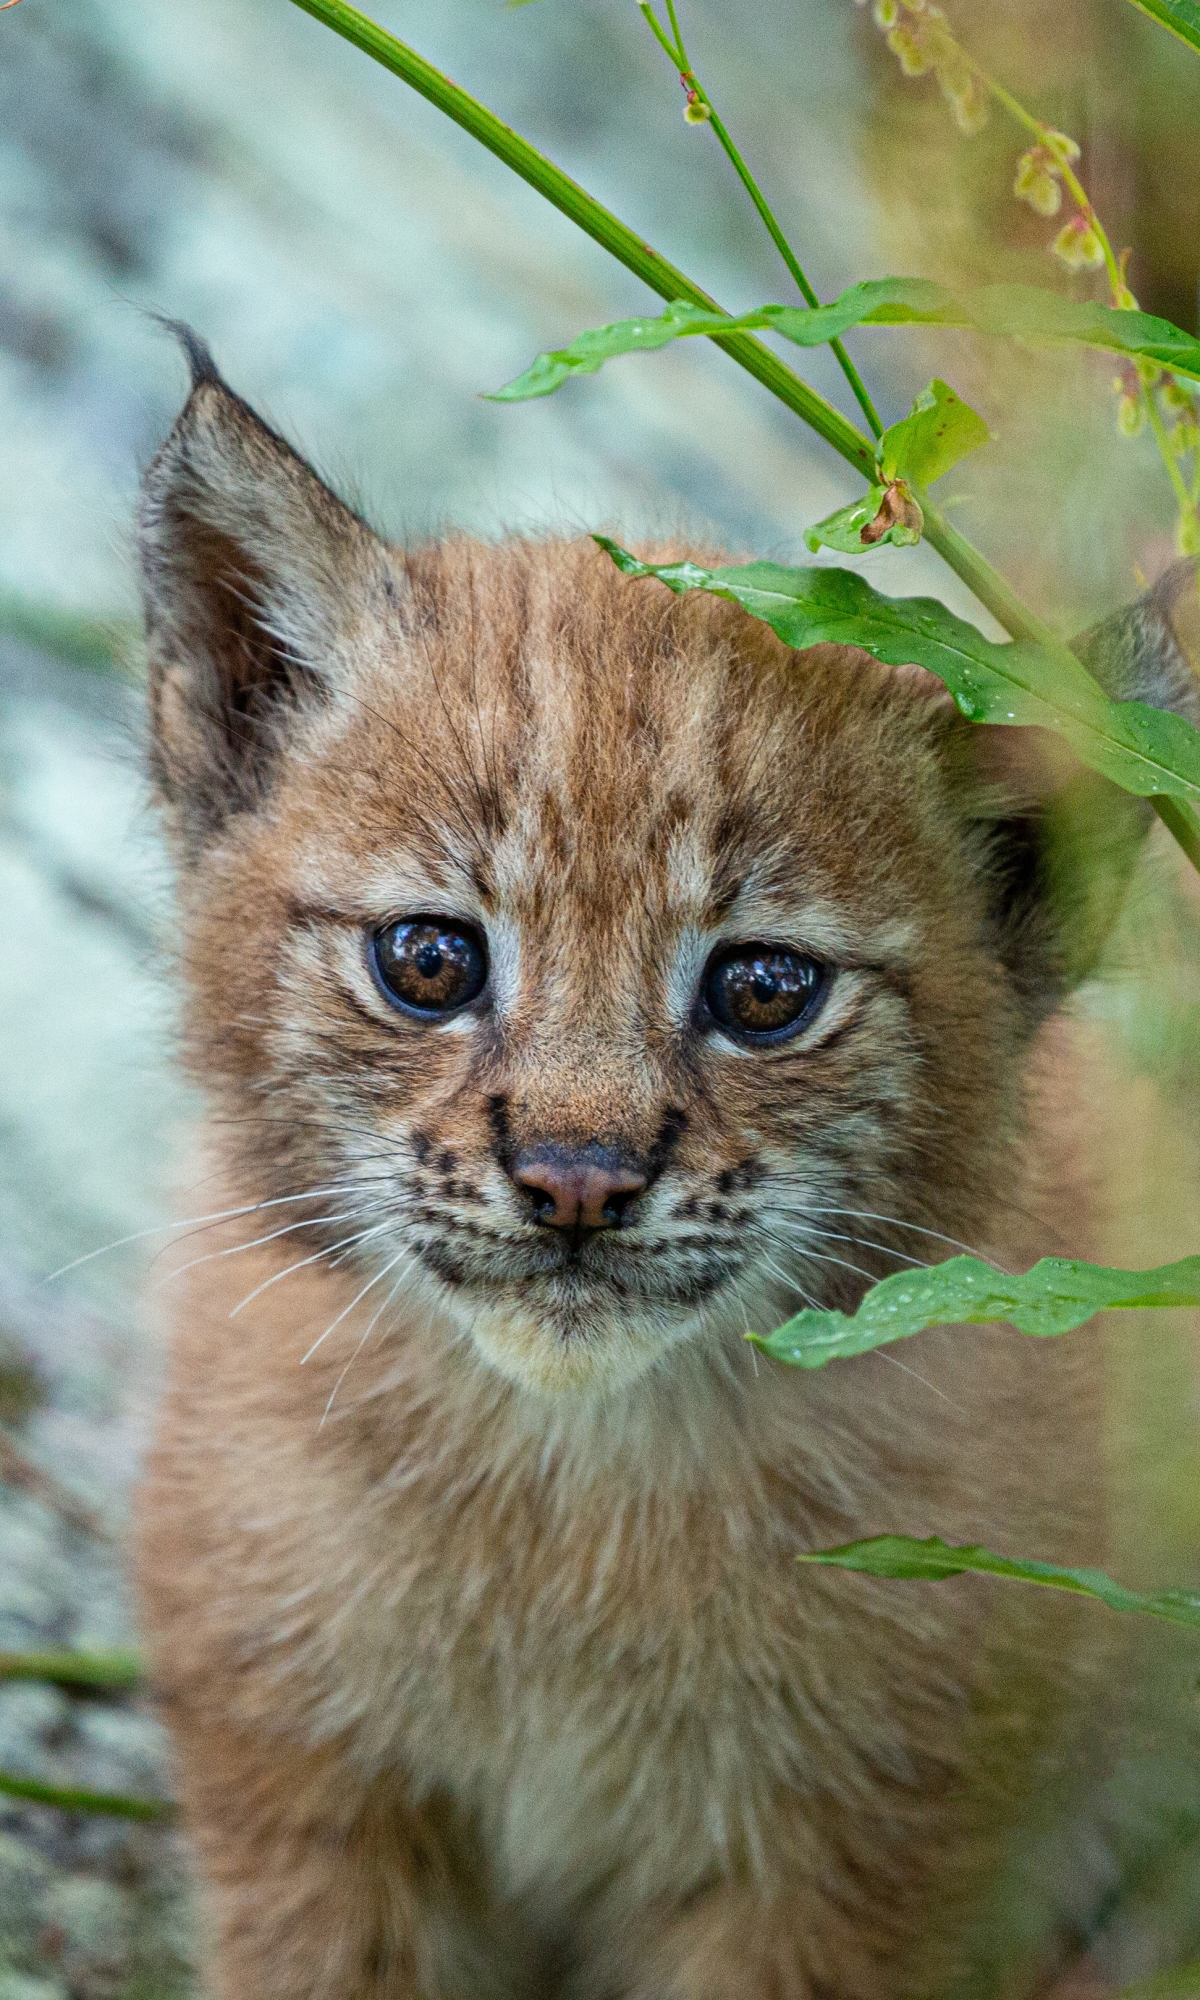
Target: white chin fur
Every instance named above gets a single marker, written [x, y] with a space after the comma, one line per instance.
[570, 1348]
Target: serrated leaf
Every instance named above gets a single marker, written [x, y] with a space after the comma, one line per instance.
[1025, 312]
[1145, 750]
[1182, 18]
[938, 431]
[1057, 1294]
[903, 1556]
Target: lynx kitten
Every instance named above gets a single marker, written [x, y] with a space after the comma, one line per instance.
[578, 978]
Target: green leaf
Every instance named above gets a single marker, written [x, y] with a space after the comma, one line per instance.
[1182, 18]
[1025, 312]
[843, 530]
[938, 431]
[1057, 1294]
[1145, 750]
[589, 351]
[115, 1804]
[904, 1556]
[119, 1668]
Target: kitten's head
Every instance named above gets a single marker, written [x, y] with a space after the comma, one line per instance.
[622, 977]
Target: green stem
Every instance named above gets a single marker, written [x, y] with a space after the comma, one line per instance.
[679, 57]
[1174, 470]
[595, 220]
[71, 1800]
[987, 584]
[118, 1669]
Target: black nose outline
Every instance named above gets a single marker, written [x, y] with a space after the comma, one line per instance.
[583, 1189]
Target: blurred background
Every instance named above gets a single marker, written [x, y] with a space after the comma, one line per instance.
[362, 271]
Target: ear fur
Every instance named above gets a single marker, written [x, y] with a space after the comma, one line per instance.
[252, 570]
[1060, 843]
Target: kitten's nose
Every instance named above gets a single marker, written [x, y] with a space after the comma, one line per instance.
[586, 1187]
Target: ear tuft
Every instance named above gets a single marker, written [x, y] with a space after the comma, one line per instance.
[197, 351]
[255, 577]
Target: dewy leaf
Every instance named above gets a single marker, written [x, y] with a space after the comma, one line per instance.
[1057, 1294]
[904, 1556]
[1145, 750]
[939, 430]
[1025, 312]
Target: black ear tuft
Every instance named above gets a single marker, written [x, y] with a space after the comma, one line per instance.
[197, 351]
[1061, 843]
[254, 576]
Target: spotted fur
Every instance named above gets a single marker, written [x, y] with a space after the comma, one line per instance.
[466, 1546]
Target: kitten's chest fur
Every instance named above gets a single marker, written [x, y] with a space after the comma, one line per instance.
[592, 1639]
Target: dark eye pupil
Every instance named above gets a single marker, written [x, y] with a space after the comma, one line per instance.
[761, 989]
[431, 965]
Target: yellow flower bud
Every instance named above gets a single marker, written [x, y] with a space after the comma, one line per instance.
[971, 109]
[1131, 415]
[912, 57]
[1078, 245]
[886, 12]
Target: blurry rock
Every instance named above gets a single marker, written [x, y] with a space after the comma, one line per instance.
[24, 1880]
[92, 1925]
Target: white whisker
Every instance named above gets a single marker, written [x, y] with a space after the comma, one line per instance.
[350, 1308]
[359, 1236]
[193, 1222]
[371, 1325]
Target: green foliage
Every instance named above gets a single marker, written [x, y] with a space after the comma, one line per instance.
[1023, 312]
[903, 1556]
[1182, 1984]
[1140, 748]
[1182, 17]
[120, 1669]
[938, 431]
[1057, 1294]
[114, 1804]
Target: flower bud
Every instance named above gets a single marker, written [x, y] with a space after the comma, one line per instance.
[1172, 395]
[904, 44]
[886, 12]
[1063, 148]
[1037, 183]
[1131, 415]
[1078, 245]
[970, 108]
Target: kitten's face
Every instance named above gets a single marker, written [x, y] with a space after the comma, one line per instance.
[625, 978]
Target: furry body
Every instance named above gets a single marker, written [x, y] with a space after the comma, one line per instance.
[476, 1622]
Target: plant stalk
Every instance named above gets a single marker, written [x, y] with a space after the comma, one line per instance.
[987, 584]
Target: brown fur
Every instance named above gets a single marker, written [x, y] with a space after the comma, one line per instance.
[476, 1622]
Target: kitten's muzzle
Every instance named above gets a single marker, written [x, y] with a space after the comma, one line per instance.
[580, 1188]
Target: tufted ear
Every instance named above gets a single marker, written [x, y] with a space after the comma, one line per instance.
[256, 580]
[1060, 843]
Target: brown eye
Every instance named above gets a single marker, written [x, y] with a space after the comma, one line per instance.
[761, 992]
[429, 965]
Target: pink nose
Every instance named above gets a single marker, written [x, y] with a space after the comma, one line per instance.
[587, 1189]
